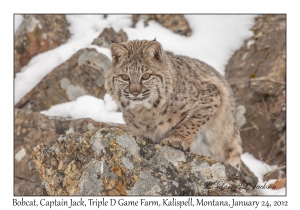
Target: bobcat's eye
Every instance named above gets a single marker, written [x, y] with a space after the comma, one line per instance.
[125, 77]
[146, 76]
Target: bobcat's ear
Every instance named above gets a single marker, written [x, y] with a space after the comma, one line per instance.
[118, 52]
[154, 50]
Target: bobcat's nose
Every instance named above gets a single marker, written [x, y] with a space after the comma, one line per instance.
[135, 93]
[135, 90]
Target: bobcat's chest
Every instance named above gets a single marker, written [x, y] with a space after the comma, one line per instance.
[147, 124]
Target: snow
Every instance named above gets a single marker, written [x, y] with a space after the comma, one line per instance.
[20, 154]
[214, 39]
[88, 107]
[18, 21]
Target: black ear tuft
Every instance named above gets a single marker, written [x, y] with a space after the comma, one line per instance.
[157, 56]
[154, 39]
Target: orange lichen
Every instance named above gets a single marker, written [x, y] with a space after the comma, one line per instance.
[208, 159]
[121, 188]
[113, 192]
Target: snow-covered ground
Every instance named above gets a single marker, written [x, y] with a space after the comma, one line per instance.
[214, 39]
[88, 107]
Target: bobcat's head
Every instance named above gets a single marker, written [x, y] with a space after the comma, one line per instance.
[141, 74]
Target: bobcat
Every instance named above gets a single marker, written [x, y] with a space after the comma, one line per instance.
[174, 100]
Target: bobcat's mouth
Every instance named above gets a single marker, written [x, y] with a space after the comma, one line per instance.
[140, 97]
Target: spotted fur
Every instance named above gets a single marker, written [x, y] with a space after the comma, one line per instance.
[174, 100]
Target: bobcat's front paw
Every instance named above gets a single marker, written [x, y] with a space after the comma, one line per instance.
[176, 142]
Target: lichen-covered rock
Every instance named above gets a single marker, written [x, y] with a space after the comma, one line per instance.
[247, 176]
[109, 161]
[83, 74]
[32, 128]
[108, 35]
[176, 23]
[257, 75]
[37, 34]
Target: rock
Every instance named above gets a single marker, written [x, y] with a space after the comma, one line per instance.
[40, 192]
[37, 34]
[275, 174]
[110, 161]
[26, 186]
[248, 179]
[83, 74]
[257, 75]
[32, 128]
[176, 23]
[108, 35]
